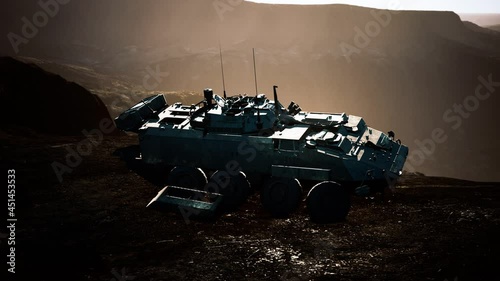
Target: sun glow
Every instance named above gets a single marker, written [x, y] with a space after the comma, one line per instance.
[458, 6]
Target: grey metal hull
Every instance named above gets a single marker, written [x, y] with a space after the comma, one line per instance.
[256, 154]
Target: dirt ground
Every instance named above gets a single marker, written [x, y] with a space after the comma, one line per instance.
[94, 226]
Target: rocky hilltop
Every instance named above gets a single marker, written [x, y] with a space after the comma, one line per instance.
[47, 103]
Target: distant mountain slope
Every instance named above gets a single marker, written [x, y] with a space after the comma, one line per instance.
[483, 20]
[117, 92]
[494, 27]
[44, 102]
[485, 30]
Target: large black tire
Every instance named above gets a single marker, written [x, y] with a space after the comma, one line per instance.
[187, 177]
[235, 189]
[328, 202]
[281, 196]
[256, 180]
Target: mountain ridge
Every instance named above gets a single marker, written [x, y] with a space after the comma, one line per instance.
[405, 78]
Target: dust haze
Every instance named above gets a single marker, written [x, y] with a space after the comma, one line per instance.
[409, 77]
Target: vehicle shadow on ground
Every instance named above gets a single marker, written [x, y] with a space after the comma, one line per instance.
[158, 176]
[155, 174]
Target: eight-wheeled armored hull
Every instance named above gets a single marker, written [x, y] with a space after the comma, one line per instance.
[238, 136]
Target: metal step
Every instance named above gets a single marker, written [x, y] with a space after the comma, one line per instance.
[199, 203]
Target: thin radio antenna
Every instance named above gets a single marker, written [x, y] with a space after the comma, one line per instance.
[222, 68]
[255, 72]
[259, 122]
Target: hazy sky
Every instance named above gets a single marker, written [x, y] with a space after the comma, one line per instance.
[458, 6]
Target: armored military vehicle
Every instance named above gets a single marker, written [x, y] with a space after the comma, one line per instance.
[232, 138]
